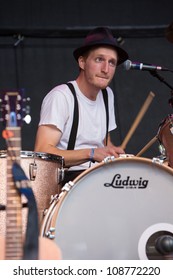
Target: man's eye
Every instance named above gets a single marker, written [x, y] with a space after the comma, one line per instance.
[99, 59]
[113, 63]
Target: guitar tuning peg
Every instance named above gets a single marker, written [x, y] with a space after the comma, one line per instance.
[26, 110]
[18, 107]
[18, 97]
[27, 119]
[27, 99]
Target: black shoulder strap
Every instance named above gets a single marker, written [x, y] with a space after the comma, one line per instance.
[105, 98]
[74, 128]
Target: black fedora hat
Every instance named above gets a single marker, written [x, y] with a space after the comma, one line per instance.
[100, 36]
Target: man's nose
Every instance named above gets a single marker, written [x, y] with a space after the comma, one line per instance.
[105, 67]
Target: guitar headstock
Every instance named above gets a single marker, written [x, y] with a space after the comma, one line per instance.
[14, 108]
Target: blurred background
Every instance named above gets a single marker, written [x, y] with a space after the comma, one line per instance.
[37, 39]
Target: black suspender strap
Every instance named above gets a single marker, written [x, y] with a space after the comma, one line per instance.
[74, 128]
[105, 98]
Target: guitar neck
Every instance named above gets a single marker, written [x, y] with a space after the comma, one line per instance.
[14, 242]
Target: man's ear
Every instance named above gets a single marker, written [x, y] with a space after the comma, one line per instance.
[81, 62]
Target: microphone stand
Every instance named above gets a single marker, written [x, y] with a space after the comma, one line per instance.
[161, 79]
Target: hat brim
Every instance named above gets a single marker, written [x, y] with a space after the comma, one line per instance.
[122, 54]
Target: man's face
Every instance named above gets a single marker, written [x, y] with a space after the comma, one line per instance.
[99, 66]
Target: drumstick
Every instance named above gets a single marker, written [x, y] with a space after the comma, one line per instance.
[138, 119]
[147, 146]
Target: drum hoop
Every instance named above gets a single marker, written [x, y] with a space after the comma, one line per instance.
[119, 159]
[50, 213]
[31, 154]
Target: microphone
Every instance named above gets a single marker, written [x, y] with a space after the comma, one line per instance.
[141, 66]
[164, 244]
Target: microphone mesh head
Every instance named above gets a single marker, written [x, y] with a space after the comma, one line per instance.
[127, 64]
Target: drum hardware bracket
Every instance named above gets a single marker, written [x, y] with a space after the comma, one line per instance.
[67, 187]
[32, 171]
[108, 159]
[61, 172]
[112, 158]
[126, 155]
[49, 233]
[159, 159]
[162, 150]
[45, 211]
[53, 198]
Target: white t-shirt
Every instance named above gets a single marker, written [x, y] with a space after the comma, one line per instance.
[57, 109]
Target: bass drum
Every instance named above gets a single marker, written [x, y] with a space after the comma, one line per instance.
[44, 173]
[114, 210]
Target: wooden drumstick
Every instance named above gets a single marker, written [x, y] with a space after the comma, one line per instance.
[138, 119]
[147, 146]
